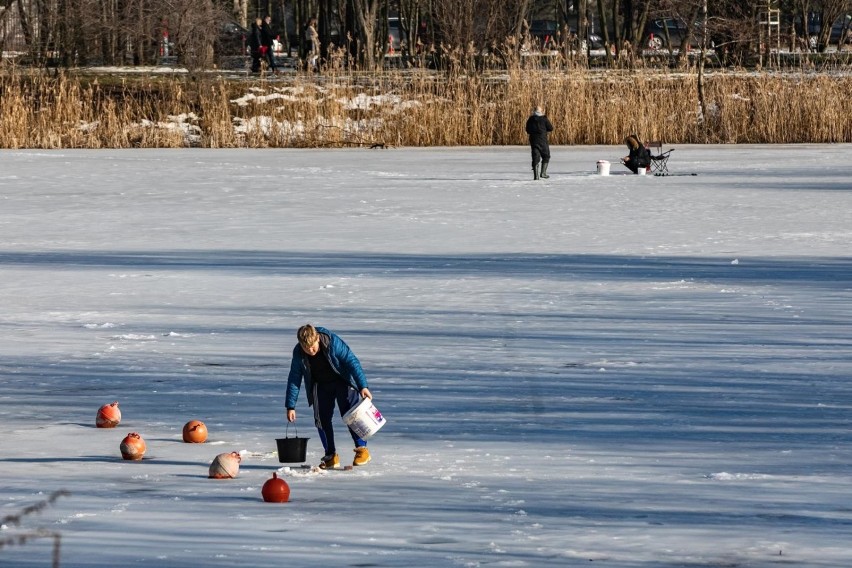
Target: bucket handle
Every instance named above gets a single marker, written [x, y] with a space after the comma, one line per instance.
[287, 430]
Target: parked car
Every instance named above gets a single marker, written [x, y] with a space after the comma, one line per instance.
[543, 31]
[548, 30]
[668, 33]
[232, 40]
[396, 34]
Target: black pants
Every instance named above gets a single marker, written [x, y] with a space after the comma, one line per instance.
[634, 167]
[270, 58]
[540, 153]
[325, 396]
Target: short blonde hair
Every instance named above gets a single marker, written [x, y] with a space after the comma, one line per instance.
[307, 335]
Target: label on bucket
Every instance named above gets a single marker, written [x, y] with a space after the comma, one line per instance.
[364, 419]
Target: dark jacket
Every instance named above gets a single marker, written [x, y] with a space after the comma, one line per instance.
[341, 359]
[537, 128]
[255, 39]
[266, 35]
[639, 155]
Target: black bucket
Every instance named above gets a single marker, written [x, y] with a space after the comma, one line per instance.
[292, 450]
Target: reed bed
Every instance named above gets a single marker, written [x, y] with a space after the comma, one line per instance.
[419, 108]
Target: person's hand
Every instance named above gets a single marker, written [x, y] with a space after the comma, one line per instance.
[291, 415]
[365, 393]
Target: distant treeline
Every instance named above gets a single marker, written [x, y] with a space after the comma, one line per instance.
[360, 34]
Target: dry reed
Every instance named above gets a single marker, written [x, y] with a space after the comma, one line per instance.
[420, 108]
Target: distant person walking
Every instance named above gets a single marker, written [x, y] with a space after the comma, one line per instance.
[538, 126]
[313, 46]
[255, 43]
[268, 42]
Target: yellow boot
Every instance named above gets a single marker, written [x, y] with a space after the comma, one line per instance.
[362, 456]
[331, 461]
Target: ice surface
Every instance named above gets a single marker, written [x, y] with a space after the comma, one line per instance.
[636, 371]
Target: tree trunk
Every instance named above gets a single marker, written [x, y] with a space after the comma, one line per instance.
[683, 54]
[366, 12]
[617, 31]
[702, 102]
[605, 31]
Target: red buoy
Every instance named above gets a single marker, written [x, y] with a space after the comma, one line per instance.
[275, 490]
[133, 447]
[108, 416]
[194, 432]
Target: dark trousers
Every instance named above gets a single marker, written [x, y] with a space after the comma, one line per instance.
[325, 397]
[270, 58]
[540, 153]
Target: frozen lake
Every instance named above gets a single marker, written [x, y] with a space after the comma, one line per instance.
[642, 372]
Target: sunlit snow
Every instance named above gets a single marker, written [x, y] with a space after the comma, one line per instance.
[620, 371]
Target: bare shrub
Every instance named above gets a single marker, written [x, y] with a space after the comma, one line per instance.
[27, 535]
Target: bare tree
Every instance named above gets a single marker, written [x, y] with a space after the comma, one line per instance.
[456, 20]
[409, 23]
[194, 26]
[826, 12]
[702, 100]
[366, 15]
[635, 18]
[693, 10]
[239, 11]
[467, 26]
[731, 28]
[605, 18]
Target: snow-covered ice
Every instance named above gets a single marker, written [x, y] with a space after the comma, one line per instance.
[634, 371]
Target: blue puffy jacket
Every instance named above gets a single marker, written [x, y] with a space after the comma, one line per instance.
[341, 358]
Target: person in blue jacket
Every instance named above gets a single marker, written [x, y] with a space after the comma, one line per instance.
[332, 374]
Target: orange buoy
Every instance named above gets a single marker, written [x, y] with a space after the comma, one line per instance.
[133, 447]
[194, 432]
[108, 416]
[275, 490]
[225, 466]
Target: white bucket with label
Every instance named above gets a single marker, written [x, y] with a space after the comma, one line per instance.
[641, 171]
[364, 419]
[603, 168]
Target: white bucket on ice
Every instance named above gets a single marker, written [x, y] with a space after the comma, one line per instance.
[364, 419]
[641, 171]
[603, 168]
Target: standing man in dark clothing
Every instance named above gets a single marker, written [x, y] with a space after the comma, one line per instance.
[332, 374]
[537, 127]
[268, 41]
[255, 43]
